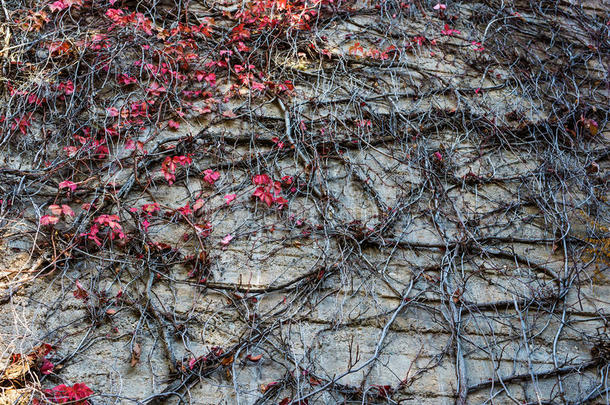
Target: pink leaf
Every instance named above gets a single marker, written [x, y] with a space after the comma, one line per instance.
[149, 209]
[174, 125]
[258, 86]
[210, 176]
[226, 240]
[66, 210]
[80, 291]
[155, 89]
[211, 79]
[281, 201]
[230, 197]
[186, 210]
[192, 363]
[260, 179]
[125, 79]
[46, 367]
[48, 220]
[67, 184]
[57, 6]
[198, 204]
[63, 394]
[449, 31]
[55, 209]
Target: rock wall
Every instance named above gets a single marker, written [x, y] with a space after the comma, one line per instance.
[444, 235]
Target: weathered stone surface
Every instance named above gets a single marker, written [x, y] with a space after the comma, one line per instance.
[437, 246]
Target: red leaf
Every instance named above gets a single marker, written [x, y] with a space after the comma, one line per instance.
[225, 241]
[192, 363]
[186, 210]
[229, 198]
[384, 391]
[173, 124]
[254, 358]
[155, 89]
[260, 179]
[57, 6]
[55, 209]
[356, 48]
[48, 220]
[198, 204]
[66, 210]
[46, 367]
[210, 176]
[76, 394]
[281, 200]
[67, 184]
[80, 292]
[151, 208]
[125, 79]
[449, 31]
[113, 111]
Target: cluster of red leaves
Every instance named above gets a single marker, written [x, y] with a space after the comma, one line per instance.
[76, 394]
[58, 211]
[210, 176]
[447, 30]
[34, 21]
[64, 4]
[477, 46]
[36, 357]
[148, 210]
[214, 353]
[358, 50]
[282, 14]
[110, 222]
[184, 68]
[168, 168]
[68, 184]
[204, 230]
[80, 292]
[277, 142]
[22, 122]
[269, 191]
[88, 143]
[121, 18]
[31, 97]
[130, 144]
[188, 209]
